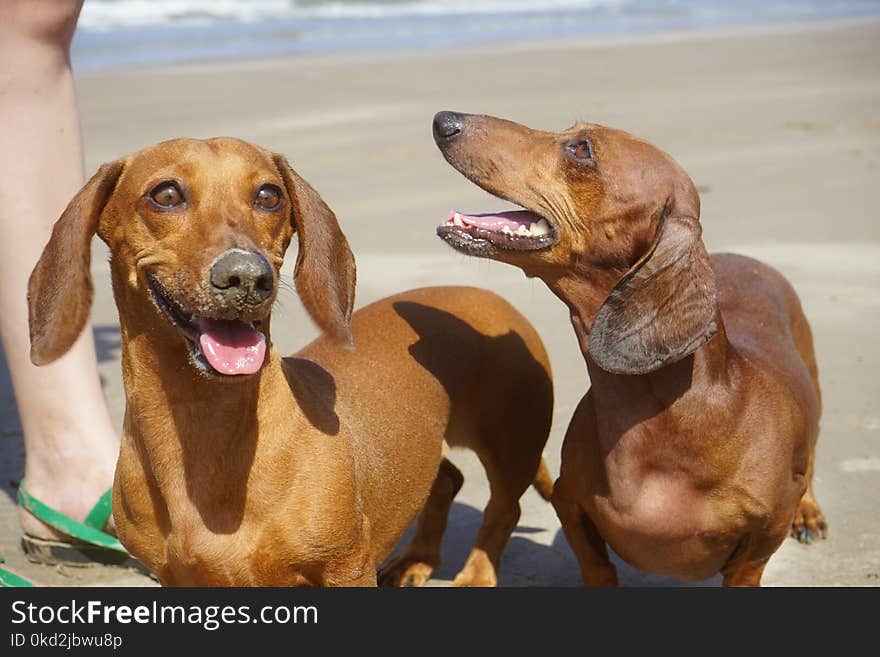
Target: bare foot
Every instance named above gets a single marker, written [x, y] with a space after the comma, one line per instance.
[70, 483]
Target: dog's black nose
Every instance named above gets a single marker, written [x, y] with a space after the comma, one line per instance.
[446, 125]
[243, 276]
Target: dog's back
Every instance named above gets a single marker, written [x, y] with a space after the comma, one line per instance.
[439, 348]
[764, 320]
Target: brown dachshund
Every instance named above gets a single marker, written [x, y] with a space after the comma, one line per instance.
[239, 467]
[692, 452]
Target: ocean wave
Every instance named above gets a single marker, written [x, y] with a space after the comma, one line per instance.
[110, 14]
[115, 33]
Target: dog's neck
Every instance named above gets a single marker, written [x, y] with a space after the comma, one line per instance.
[661, 399]
[585, 294]
[167, 398]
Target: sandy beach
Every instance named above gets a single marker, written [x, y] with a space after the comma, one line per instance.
[778, 127]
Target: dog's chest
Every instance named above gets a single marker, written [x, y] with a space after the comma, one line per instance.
[664, 525]
[276, 540]
[196, 556]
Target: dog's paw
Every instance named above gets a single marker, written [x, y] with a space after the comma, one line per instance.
[487, 580]
[809, 523]
[478, 571]
[406, 571]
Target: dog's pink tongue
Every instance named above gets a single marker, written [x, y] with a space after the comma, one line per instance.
[232, 347]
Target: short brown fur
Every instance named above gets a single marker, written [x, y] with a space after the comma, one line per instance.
[308, 472]
[692, 452]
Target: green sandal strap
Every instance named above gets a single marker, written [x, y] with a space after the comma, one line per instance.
[84, 532]
[100, 513]
[10, 579]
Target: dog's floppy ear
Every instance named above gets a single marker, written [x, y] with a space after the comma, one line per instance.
[663, 308]
[60, 287]
[325, 267]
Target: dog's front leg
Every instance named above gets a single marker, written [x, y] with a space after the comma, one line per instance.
[586, 543]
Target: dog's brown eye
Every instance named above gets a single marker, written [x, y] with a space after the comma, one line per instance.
[580, 150]
[268, 197]
[167, 195]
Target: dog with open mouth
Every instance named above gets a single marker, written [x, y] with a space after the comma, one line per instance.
[692, 451]
[240, 467]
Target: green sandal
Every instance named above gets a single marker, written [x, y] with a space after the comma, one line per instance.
[10, 579]
[90, 545]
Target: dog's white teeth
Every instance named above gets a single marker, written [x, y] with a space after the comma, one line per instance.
[541, 227]
[506, 230]
[456, 220]
[522, 230]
